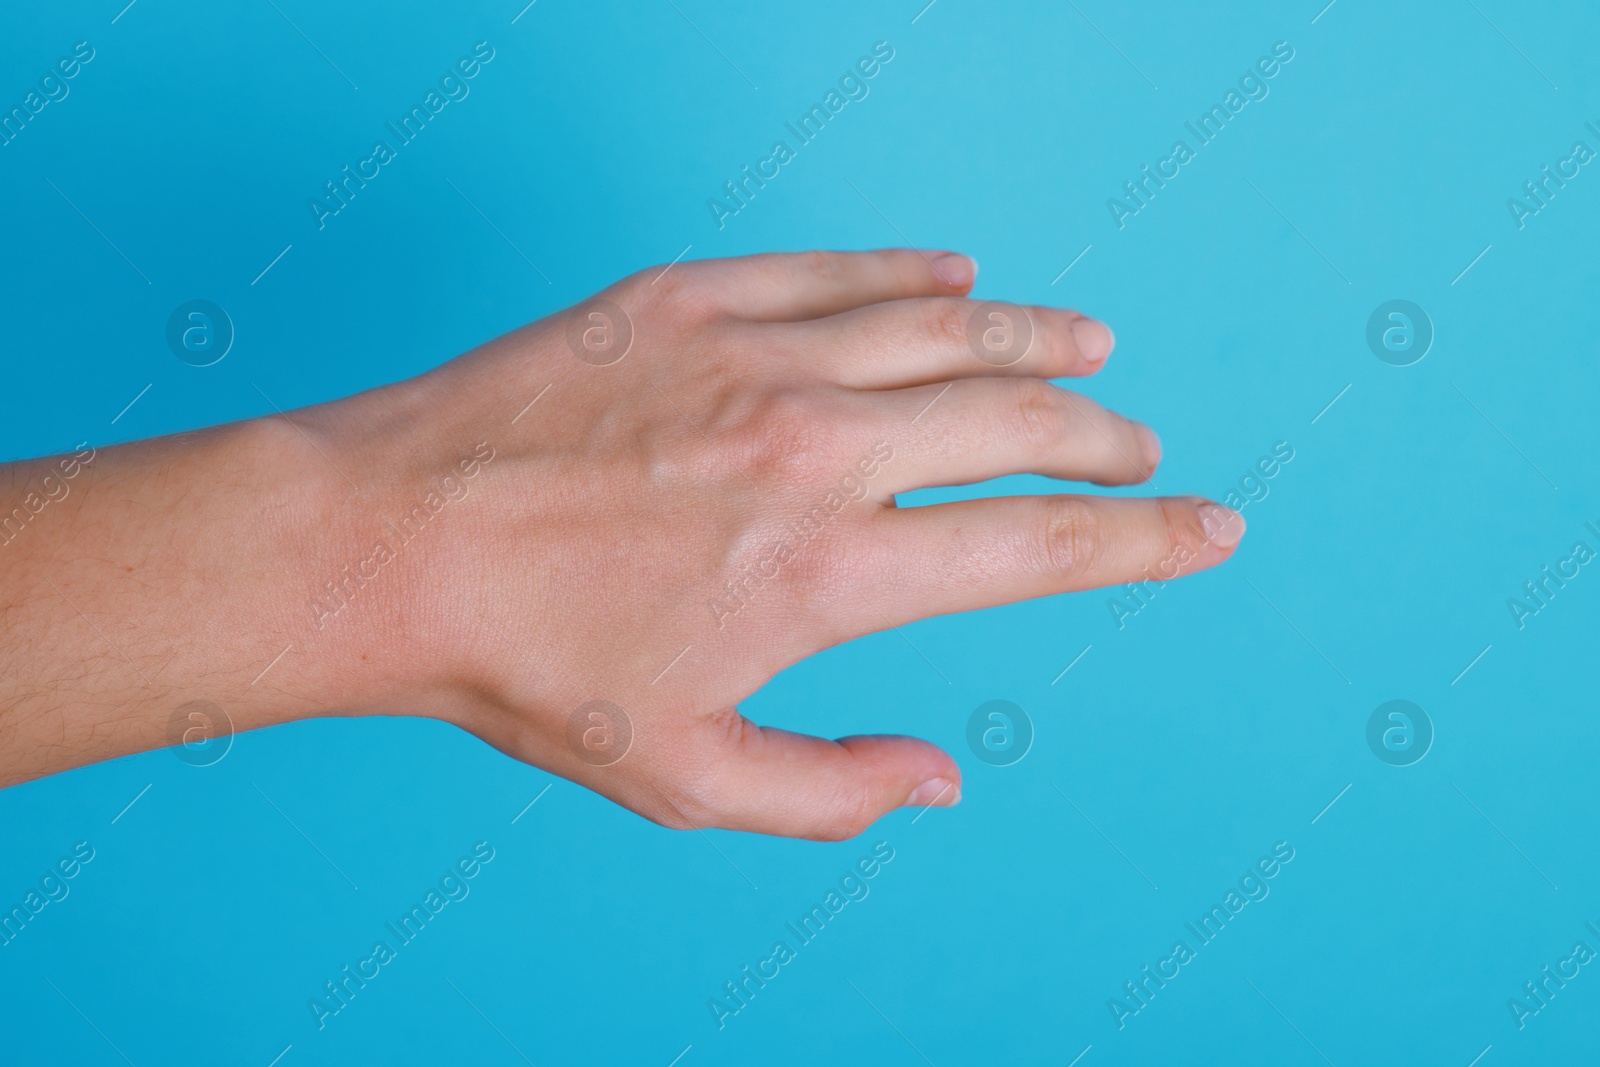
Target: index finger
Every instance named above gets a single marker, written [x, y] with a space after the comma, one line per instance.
[789, 287]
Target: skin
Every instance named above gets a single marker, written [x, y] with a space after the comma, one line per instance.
[672, 503]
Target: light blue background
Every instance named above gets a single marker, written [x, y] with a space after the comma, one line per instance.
[1194, 739]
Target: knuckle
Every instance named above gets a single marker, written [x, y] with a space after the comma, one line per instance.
[1185, 530]
[784, 434]
[943, 322]
[697, 794]
[671, 816]
[821, 574]
[1070, 536]
[689, 805]
[1053, 339]
[650, 280]
[847, 809]
[668, 292]
[824, 266]
[850, 830]
[824, 575]
[858, 811]
[1038, 414]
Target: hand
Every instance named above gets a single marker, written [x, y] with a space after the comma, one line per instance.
[588, 540]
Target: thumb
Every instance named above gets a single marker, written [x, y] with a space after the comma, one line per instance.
[794, 785]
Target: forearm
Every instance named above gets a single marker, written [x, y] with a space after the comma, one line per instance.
[137, 579]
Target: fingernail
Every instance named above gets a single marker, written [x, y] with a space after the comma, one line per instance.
[955, 270]
[1222, 526]
[1094, 340]
[1152, 447]
[940, 791]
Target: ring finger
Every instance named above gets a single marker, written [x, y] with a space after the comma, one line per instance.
[976, 429]
[934, 339]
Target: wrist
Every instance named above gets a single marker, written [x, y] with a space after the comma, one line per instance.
[161, 574]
